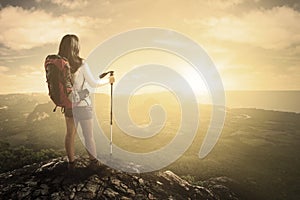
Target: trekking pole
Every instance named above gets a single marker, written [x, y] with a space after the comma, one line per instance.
[111, 112]
[111, 107]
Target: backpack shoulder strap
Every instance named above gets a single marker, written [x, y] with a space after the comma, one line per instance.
[82, 83]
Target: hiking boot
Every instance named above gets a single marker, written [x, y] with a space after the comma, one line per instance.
[94, 164]
[71, 165]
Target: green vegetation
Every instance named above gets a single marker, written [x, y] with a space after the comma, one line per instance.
[258, 148]
[13, 158]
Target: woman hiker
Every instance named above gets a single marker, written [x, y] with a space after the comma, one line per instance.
[81, 76]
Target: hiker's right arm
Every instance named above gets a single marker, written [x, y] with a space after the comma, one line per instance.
[90, 78]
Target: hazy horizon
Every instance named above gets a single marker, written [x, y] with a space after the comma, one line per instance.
[46, 92]
[285, 100]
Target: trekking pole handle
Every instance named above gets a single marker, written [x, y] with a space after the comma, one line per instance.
[105, 73]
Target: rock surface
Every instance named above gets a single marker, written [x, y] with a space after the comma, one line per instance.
[52, 180]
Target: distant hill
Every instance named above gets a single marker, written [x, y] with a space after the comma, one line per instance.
[259, 148]
[288, 101]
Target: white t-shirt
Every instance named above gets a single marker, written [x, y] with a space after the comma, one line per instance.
[82, 77]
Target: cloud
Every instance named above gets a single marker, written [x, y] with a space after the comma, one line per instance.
[276, 28]
[26, 29]
[71, 4]
[3, 69]
[224, 4]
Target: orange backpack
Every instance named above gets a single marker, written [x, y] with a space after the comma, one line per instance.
[59, 81]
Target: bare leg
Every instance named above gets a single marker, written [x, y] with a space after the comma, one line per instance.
[70, 138]
[87, 130]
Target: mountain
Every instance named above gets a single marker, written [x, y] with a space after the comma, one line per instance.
[52, 180]
[258, 148]
[287, 100]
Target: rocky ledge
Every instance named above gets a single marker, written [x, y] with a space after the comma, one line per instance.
[52, 180]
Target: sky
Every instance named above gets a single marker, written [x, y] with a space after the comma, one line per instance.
[255, 44]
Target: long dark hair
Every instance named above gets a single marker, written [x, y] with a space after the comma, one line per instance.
[69, 49]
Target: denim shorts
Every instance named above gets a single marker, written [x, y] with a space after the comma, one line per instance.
[80, 112]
